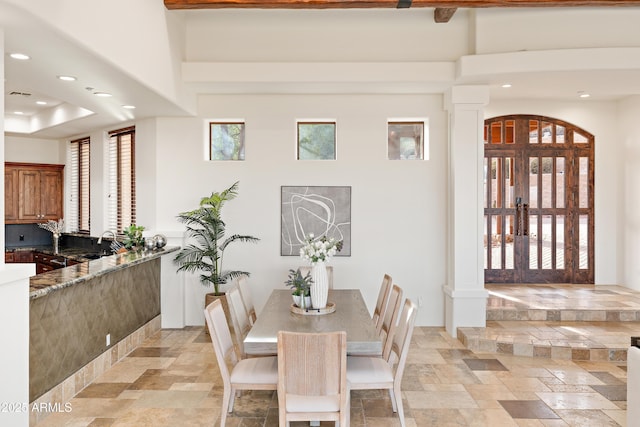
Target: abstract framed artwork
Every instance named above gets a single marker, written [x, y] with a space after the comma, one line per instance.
[314, 209]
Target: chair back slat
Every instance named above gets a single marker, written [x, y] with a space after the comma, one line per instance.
[247, 298]
[239, 317]
[390, 320]
[381, 303]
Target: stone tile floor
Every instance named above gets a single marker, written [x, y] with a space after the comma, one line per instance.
[173, 379]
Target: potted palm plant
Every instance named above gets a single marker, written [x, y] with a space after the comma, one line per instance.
[204, 254]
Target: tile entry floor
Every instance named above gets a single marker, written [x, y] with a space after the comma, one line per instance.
[173, 380]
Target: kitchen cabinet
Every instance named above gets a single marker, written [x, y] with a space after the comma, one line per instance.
[18, 256]
[45, 262]
[33, 192]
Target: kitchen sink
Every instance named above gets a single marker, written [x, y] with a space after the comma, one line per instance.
[94, 256]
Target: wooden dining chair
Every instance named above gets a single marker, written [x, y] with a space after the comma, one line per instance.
[247, 298]
[260, 373]
[312, 384]
[305, 269]
[239, 317]
[381, 304]
[374, 373]
[390, 319]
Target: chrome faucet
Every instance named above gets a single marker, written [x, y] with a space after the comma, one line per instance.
[102, 235]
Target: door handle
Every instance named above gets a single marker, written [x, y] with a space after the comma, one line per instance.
[518, 219]
[525, 219]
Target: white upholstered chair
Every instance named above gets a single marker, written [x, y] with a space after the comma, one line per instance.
[381, 304]
[305, 269]
[260, 373]
[369, 373]
[312, 383]
[247, 298]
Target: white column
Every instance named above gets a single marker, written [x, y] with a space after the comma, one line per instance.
[465, 296]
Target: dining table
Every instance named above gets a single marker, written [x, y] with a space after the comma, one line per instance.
[350, 315]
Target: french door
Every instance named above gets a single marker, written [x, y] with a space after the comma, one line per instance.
[538, 201]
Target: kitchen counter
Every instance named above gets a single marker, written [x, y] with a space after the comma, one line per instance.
[43, 284]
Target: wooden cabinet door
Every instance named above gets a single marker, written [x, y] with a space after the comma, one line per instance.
[33, 192]
[10, 194]
[51, 195]
[29, 205]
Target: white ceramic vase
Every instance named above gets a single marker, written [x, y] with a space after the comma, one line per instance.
[320, 286]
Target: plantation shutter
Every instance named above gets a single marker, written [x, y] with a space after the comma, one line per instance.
[122, 198]
[79, 209]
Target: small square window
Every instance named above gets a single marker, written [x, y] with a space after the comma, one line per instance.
[316, 140]
[226, 141]
[406, 140]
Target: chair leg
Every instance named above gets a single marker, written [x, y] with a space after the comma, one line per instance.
[392, 396]
[232, 399]
[399, 406]
[225, 407]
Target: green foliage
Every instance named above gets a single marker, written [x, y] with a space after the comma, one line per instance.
[227, 141]
[317, 141]
[133, 239]
[207, 230]
[300, 285]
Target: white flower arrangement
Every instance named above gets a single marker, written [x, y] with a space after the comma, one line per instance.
[56, 227]
[320, 249]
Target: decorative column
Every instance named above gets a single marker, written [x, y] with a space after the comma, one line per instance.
[465, 296]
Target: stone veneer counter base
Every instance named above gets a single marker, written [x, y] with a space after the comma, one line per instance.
[74, 309]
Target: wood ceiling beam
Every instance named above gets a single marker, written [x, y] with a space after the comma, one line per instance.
[354, 4]
[443, 14]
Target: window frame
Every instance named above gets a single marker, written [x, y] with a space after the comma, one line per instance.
[116, 180]
[425, 136]
[333, 122]
[80, 185]
[209, 131]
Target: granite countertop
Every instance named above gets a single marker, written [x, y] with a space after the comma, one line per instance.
[41, 284]
[76, 254]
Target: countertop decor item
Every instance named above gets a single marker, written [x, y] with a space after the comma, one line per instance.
[301, 288]
[133, 239]
[318, 251]
[56, 228]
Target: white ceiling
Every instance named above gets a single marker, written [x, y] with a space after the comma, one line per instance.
[52, 55]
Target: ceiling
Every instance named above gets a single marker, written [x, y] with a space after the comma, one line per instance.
[73, 109]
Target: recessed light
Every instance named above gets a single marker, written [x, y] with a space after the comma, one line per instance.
[20, 113]
[41, 103]
[67, 78]
[506, 85]
[584, 95]
[129, 107]
[20, 56]
[102, 94]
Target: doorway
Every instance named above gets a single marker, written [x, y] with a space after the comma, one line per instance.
[538, 201]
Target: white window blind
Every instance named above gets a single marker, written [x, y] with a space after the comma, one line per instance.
[79, 209]
[122, 183]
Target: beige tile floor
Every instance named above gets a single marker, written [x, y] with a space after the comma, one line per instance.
[173, 380]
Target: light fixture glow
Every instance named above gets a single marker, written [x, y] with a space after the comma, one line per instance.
[129, 107]
[20, 56]
[506, 85]
[41, 103]
[20, 113]
[67, 78]
[584, 95]
[102, 94]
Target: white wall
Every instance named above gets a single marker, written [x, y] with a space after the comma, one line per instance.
[33, 150]
[516, 29]
[398, 207]
[629, 214]
[600, 119]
